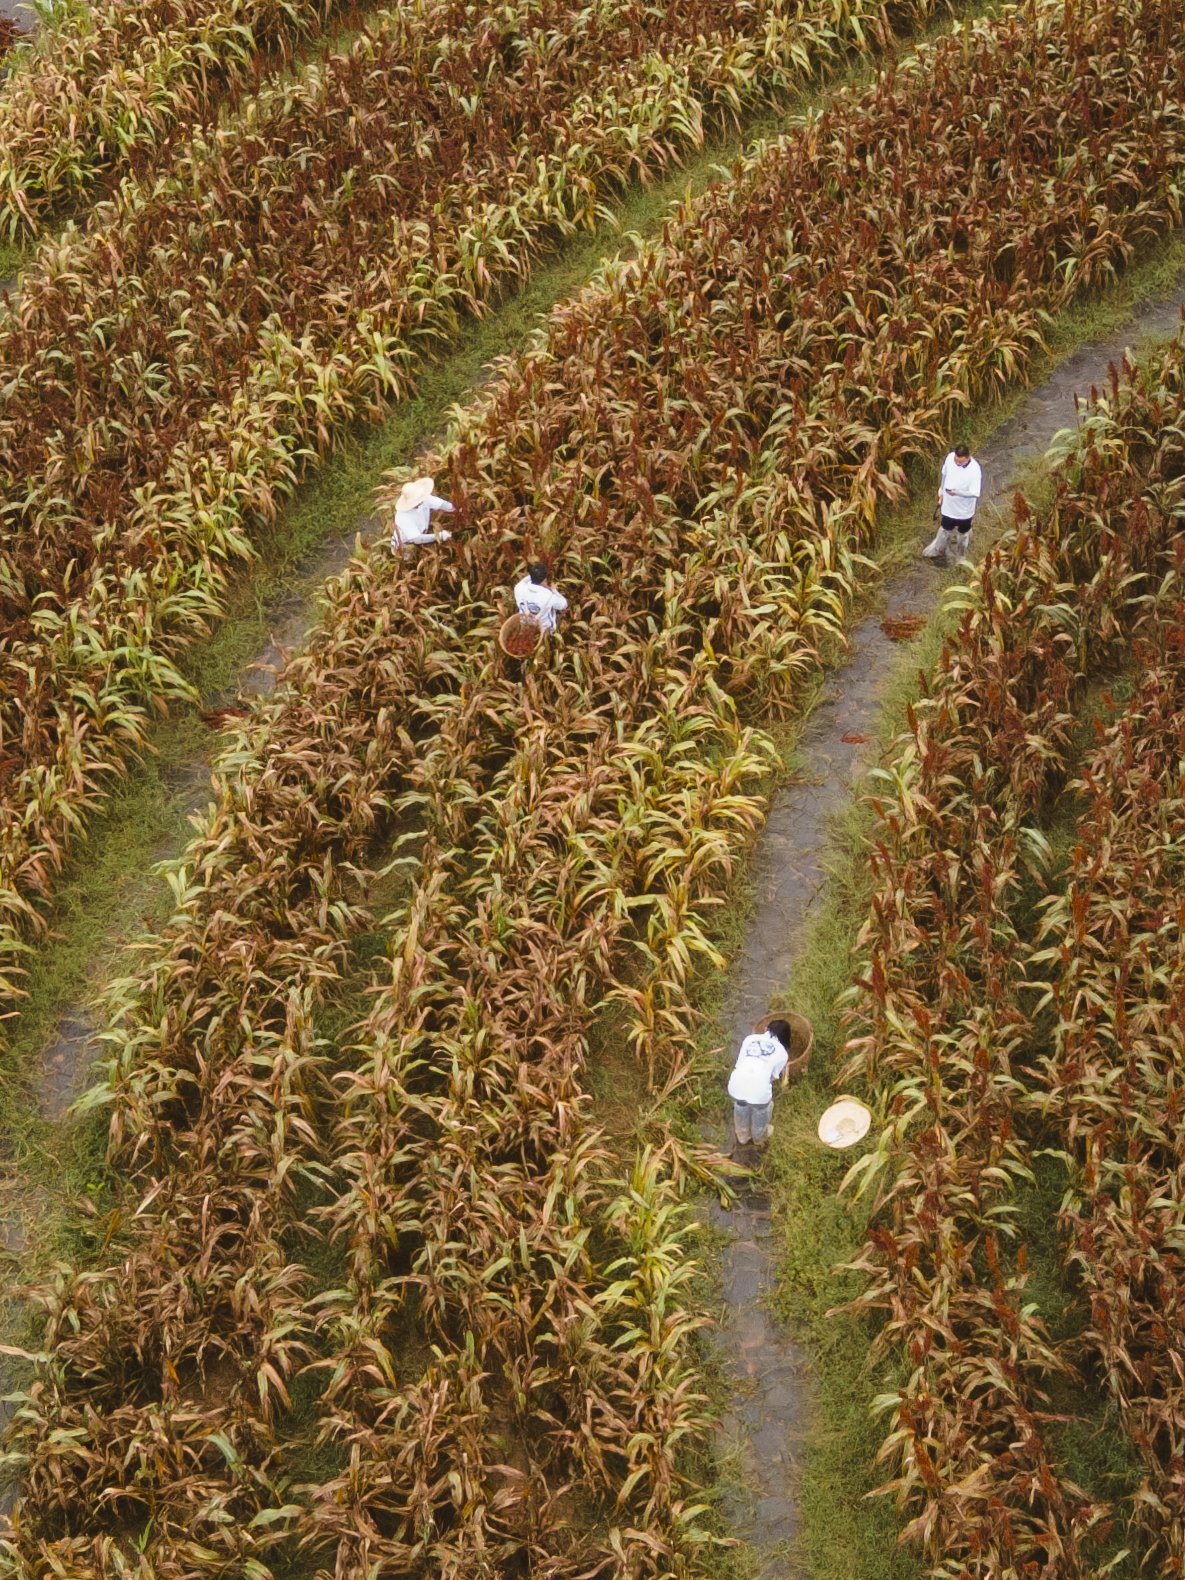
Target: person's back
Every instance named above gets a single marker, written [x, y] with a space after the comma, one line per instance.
[533, 597]
[761, 1060]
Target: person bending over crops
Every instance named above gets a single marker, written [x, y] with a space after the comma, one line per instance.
[958, 495]
[535, 599]
[763, 1059]
[414, 506]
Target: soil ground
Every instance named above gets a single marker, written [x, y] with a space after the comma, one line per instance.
[23, 15]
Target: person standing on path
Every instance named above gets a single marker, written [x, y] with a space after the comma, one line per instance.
[414, 506]
[535, 599]
[958, 494]
[763, 1058]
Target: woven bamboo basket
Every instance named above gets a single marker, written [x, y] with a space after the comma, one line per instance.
[802, 1039]
[512, 638]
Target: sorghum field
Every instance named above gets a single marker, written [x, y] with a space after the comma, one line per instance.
[377, 1247]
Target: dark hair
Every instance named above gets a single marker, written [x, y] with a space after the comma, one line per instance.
[537, 572]
[961, 450]
[781, 1030]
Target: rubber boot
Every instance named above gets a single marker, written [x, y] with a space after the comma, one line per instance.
[964, 545]
[937, 549]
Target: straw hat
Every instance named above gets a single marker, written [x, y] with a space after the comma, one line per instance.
[844, 1123]
[415, 493]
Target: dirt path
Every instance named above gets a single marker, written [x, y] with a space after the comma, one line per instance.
[20, 12]
[69, 1057]
[770, 1416]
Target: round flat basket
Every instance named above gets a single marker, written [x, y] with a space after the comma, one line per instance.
[844, 1123]
[802, 1040]
[519, 636]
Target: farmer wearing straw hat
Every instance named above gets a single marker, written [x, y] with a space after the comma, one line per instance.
[763, 1059]
[958, 494]
[535, 599]
[415, 504]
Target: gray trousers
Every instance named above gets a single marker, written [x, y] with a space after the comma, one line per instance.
[751, 1120]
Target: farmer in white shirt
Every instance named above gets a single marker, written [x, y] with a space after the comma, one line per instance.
[534, 598]
[762, 1060]
[412, 510]
[958, 495]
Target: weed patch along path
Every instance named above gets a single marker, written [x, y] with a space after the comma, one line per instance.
[775, 1417]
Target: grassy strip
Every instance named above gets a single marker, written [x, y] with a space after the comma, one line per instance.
[844, 1534]
[13, 259]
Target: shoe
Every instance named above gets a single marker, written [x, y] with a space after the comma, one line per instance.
[937, 549]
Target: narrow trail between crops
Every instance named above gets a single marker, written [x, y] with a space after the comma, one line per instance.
[769, 1374]
[68, 1060]
[22, 13]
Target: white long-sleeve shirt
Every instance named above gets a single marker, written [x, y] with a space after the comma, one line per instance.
[411, 526]
[759, 1063]
[544, 603]
[964, 483]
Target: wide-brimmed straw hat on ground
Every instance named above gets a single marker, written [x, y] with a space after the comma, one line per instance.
[415, 493]
[844, 1123]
